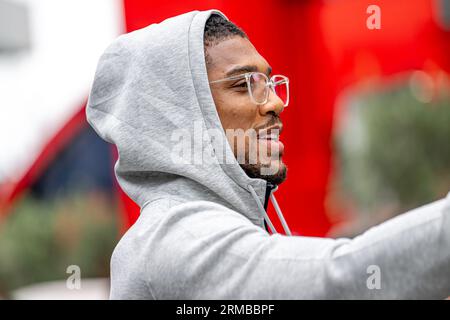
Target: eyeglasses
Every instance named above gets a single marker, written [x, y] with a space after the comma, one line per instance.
[258, 85]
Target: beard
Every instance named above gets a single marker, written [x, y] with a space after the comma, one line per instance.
[256, 171]
[259, 159]
[268, 166]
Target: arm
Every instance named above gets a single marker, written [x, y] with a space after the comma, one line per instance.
[208, 251]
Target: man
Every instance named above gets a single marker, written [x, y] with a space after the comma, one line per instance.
[194, 113]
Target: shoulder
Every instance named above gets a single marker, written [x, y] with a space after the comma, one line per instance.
[195, 217]
[167, 223]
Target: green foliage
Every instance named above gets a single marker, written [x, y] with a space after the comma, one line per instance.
[39, 240]
[395, 149]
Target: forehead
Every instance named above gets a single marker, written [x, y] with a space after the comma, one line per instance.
[233, 53]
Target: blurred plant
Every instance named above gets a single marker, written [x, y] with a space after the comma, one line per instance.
[39, 240]
[393, 152]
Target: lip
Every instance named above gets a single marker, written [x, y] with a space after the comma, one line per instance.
[266, 133]
[272, 138]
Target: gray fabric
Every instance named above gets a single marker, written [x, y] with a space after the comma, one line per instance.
[200, 234]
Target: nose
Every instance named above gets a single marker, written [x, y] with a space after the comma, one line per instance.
[273, 104]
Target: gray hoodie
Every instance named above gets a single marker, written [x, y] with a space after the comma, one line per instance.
[201, 232]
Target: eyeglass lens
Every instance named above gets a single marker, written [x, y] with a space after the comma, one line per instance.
[259, 88]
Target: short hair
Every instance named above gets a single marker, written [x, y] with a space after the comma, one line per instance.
[217, 29]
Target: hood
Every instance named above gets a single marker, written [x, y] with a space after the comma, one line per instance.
[150, 92]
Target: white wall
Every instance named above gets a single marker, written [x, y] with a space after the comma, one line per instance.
[41, 89]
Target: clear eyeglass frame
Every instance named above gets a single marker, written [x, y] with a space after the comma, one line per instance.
[272, 83]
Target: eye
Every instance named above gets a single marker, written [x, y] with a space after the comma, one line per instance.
[241, 85]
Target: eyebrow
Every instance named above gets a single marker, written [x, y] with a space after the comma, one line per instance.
[244, 69]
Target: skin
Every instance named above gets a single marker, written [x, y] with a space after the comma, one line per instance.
[237, 111]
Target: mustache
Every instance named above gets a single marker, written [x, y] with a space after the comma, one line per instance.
[273, 121]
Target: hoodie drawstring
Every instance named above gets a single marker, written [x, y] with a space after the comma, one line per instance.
[280, 214]
[277, 209]
[261, 209]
